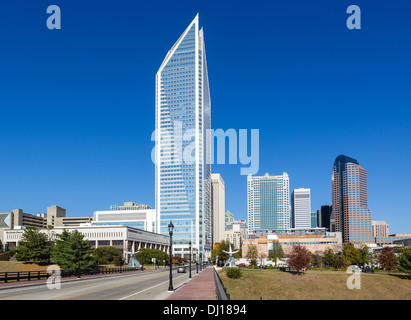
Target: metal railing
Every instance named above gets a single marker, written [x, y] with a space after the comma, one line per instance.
[18, 276]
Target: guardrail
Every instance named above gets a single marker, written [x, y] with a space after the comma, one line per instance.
[220, 289]
[17, 276]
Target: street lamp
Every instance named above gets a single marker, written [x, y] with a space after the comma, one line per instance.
[170, 231]
[201, 261]
[190, 259]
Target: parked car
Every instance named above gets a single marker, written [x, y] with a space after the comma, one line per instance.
[262, 267]
[181, 269]
[242, 265]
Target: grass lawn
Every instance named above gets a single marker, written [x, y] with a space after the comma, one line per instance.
[314, 285]
[13, 266]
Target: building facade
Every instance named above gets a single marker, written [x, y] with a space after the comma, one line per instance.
[350, 213]
[268, 202]
[301, 208]
[218, 205]
[130, 214]
[127, 239]
[314, 242]
[324, 217]
[183, 144]
[379, 229]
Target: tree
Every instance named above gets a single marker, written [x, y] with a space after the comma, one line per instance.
[71, 251]
[118, 261]
[261, 257]
[218, 250]
[299, 258]
[404, 261]
[329, 258]
[145, 255]
[1, 247]
[105, 254]
[33, 246]
[317, 259]
[364, 253]
[387, 259]
[252, 254]
[276, 252]
[351, 255]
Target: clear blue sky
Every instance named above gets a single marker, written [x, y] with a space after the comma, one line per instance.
[78, 104]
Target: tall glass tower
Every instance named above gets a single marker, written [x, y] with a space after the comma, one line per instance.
[268, 202]
[350, 213]
[183, 144]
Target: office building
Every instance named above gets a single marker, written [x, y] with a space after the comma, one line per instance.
[130, 214]
[218, 206]
[301, 208]
[379, 229]
[127, 239]
[315, 242]
[237, 225]
[314, 219]
[53, 213]
[350, 213]
[268, 202]
[324, 217]
[183, 144]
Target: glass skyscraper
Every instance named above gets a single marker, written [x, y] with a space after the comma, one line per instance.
[350, 214]
[183, 144]
[268, 201]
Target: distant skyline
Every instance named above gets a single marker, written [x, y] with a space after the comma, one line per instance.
[78, 104]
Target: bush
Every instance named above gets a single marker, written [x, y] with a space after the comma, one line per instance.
[5, 256]
[233, 272]
[118, 261]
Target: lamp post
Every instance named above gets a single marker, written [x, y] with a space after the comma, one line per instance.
[170, 231]
[190, 259]
[201, 261]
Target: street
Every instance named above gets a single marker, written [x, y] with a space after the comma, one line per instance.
[147, 285]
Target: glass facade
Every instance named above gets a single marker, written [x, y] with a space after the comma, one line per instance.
[268, 202]
[183, 172]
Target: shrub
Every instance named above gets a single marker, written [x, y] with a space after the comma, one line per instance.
[118, 261]
[5, 256]
[233, 272]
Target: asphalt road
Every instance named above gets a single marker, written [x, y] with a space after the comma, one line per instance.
[147, 285]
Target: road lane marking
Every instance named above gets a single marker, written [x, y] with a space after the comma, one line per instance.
[147, 289]
[120, 285]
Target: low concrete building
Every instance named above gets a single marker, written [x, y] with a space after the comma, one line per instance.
[130, 214]
[127, 239]
[315, 243]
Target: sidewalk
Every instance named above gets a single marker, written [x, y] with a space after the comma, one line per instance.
[201, 287]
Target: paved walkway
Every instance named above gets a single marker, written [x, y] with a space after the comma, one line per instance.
[201, 287]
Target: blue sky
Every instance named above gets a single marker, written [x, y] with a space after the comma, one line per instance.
[78, 104]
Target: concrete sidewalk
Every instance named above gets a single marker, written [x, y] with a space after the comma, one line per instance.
[201, 287]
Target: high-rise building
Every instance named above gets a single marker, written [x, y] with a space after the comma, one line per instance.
[268, 202]
[301, 208]
[379, 229]
[350, 213]
[324, 216]
[218, 205]
[183, 144]
[314, 219]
